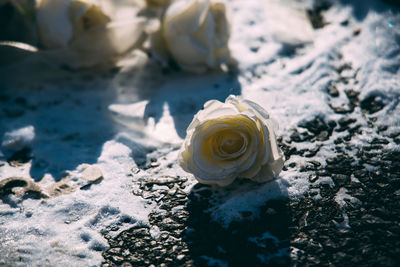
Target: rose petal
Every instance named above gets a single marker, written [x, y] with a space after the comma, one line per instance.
[54, 26]
[184, 17]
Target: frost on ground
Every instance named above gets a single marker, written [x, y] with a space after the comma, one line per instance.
[88, 171]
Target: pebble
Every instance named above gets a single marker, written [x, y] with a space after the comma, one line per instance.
[135, 170]
[340, 179]
[346, 121]
[92, 174]
[333, 91]
[372, 104]
[161, 180]
[312, 178]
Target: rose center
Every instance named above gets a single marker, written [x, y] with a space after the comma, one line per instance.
[230, 142]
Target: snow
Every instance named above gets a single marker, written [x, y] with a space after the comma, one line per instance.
[19, 138]
[342, 198]
[68, 227]
[246, 198]
[117, 122]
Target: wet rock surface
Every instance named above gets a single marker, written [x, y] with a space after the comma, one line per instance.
[348, 216]
[184, 234]
[351, 217]
[362, 227]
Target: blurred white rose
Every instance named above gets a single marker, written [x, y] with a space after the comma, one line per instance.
[235, 139]
[195, 34]
[288, 22]
[83, 33]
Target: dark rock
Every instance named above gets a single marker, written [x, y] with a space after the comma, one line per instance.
[352, 96]
[344, 22]
[312, 178]
[20, 157]
[315, 126]
[316, 14]
[333, 91]
[356, 32]
[332, 124]
[312, 152]
[296, 137]
[340, 179]
[379, 141]
[292, 164]
[322, 136]
[382, 128]
[345, 66]
[338, 141]
[341, 110]
[372, 104]
[346, 121]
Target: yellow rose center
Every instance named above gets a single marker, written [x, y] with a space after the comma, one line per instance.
[86, 16]
[231, 142]
[228, 144]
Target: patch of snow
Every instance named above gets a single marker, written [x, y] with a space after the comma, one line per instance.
[354, 179]
[230, 205]
[345, 223]
[342, 198]
[19, 138]
[155, 232]
[68, 227]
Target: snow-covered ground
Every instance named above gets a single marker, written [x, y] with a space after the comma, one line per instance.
[92, 136]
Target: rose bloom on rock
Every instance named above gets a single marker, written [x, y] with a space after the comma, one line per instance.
[195, 34]
[83, 33]
[230, 140]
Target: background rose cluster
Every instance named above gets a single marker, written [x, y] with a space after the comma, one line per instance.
[193, 34]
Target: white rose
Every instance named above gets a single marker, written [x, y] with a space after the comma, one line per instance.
[195, 34]
[289, 22]
[235, 139]
[82, 32]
